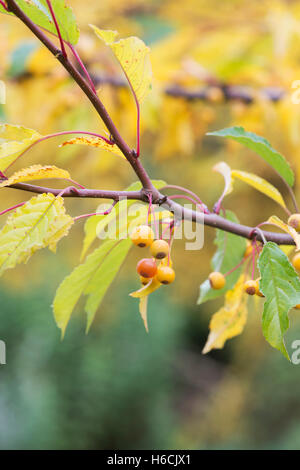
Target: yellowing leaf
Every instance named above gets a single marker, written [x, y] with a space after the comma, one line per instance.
[286, 228]
[260, 184]
[134, 58]
[39, 223]
[147, 289]
[13, 141]
[143, 311]
[225, 171]
[230, 320]
[94, 142]
[35, 172]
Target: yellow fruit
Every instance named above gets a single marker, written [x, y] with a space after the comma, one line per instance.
[165, 274]
[297, 307]
[217, 280]
[296, 262]
[294, 221]
[251, 287]
[142, 236]
[159, 249]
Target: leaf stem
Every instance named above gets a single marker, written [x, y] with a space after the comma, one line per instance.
[84, 69]
[62, 45]
[12, 208]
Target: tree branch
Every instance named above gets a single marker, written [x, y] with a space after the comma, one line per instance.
[244, 94]
[94, 99]
[211, 220]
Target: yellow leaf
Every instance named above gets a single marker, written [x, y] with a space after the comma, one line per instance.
[143, 311]
[13, 141]
[134, 58]
[260, 184]
[39, 223]
[274, 220]
[230, 320]
[225, 171]
[35, 172]
[147, 289]
[94, 142]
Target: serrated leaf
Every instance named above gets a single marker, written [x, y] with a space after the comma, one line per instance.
[230, 251]
[38, 12]
[35, 172]
[286, 228]
[260, 184]
[92, 278]
[134, 58]
[225, 171]
[230, 320]
[102, 279]
[95, 142]
[280, 285]
[262, 147]
[41, 222]
[13, 141]
[96, 224]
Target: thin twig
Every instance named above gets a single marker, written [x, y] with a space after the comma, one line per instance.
[63, 49]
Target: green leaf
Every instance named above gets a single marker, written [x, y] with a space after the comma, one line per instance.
[38, 12]
[262, 147]
[96, 224]
[99, 284]
[14, 140]
[41, 222]
[280, 285]
[92, 278]
[230, 251]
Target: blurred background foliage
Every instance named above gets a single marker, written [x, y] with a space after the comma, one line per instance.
[118, 387]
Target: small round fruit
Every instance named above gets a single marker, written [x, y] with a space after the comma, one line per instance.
[142, 236]
[217, 280]
[249, 250]
[146, 267]
[294, 221]
[250, 287]
[165, 274]
[159, 249]
[296, 261]
[297, 307]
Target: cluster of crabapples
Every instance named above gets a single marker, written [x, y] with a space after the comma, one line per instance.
[251, 287]
[148, 269]
[217, 280]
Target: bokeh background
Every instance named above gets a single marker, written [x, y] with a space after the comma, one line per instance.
[117, 387]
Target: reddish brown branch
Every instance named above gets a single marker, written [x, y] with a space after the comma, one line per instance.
[211, 220]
